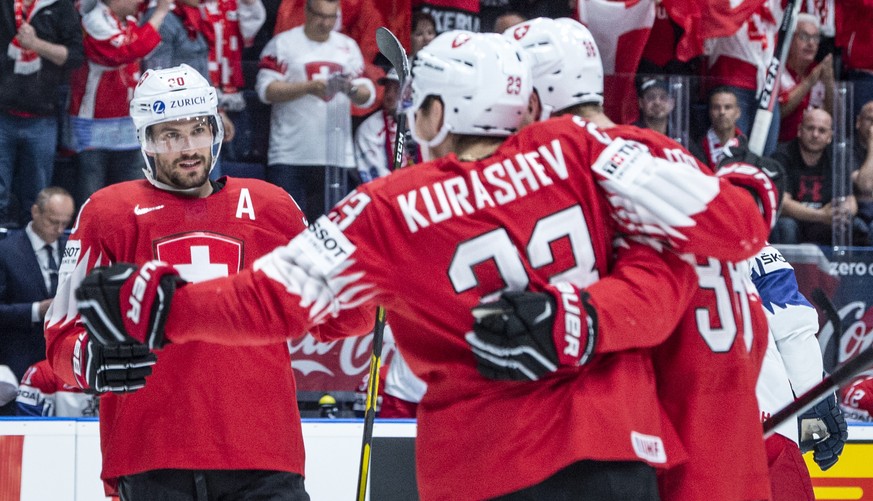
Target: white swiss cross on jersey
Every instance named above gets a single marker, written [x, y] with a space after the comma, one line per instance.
[321, 70]
[200, 256]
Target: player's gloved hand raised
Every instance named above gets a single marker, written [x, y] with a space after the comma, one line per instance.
[122, 368]
[121, 304]
[525, 335]
[824, 416]
[763, 177]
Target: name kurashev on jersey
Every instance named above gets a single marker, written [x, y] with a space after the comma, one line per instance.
[499, 183]
[506, 180]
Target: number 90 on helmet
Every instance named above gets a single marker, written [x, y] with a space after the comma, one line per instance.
[564, 59]
[172, 94]
[481, 78]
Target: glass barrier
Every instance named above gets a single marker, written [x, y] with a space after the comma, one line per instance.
[842, 165]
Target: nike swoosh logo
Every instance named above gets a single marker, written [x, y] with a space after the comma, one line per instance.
[544, 315]
[145, 210]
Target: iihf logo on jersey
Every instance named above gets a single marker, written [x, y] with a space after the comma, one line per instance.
[158, 107]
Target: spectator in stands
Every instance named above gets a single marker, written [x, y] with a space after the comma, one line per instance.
[452, 14]
[311, 76]
[423, 31]
[855, 38]
[374, 138]
[863, 155]
[356, 18]
[655, 103]
[42, 393]
[807, 210]
[29, 262]
[185, 39]
[41, 42]
[100, 99]
[235, 24]
[804, 83]
[740, 61]
[724, 112]
[490, 10]
[824, 12]
[507, 20]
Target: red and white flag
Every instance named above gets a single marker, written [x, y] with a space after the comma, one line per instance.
[621, 29]
[710, 19]
[618, 27]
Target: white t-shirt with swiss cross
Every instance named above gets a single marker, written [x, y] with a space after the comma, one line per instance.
[309, 130]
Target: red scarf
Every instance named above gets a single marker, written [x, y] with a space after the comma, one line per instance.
[26, 61]
[192, 20]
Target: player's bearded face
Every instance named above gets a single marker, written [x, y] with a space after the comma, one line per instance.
[182, 152]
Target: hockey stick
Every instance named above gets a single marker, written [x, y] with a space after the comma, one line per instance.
[372, 398]
[767, 99]
[839, 377]
[390, 47]
[821, 300]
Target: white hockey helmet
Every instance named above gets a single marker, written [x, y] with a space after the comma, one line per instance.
[564, 59]
[173, 94]
[481, 78]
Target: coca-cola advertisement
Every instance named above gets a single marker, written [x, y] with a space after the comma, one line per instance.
[844, 277]
[335, 366]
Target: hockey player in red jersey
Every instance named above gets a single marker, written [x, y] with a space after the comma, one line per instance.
[489, 214]
[856, 398]
[721, 337]
[43, 393]
[207, 416]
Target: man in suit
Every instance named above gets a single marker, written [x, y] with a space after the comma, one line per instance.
[29, 261]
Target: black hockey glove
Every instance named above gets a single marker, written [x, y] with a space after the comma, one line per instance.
[121, 305]
[525, 335]
[122, 368]
[824, 419]
[762, 176]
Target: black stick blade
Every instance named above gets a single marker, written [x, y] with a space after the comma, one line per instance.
[390, 47]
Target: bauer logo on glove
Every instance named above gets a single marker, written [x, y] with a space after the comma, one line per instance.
[525, 335]
[113, 301]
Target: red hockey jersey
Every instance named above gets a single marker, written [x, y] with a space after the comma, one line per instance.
[430, 241]
[707, 371]
[42, 393]
[205, 406]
